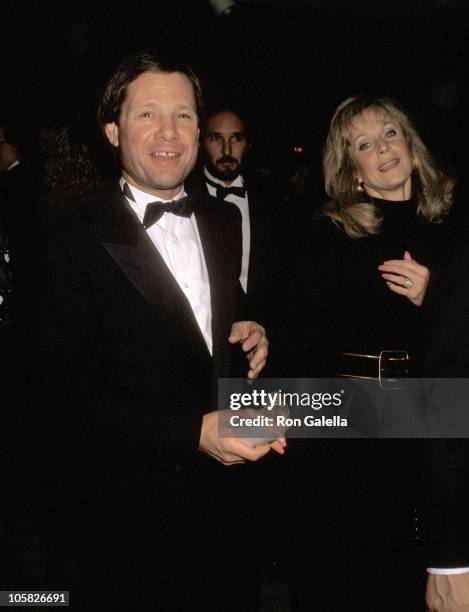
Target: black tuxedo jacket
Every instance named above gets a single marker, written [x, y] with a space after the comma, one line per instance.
[125, 377]
[123, 372]
[445, 354]
[265, 220]
[270, 239]
[19, 193]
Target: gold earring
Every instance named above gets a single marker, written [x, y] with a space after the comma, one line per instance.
[359, 185]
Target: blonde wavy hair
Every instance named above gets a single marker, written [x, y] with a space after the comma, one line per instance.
[353, 209]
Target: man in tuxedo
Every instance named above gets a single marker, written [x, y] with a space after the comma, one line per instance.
[138, 298]
[227, 176]
[17, 180]
[442, 492]
[19, 192]
[18, 195]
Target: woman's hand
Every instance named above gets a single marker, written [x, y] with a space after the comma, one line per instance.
[406, 277]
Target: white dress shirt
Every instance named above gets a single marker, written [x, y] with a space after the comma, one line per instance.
[178, 242]
[243, 205]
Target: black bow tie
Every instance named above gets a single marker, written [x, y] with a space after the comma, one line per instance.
[222, 191]
[155, 210]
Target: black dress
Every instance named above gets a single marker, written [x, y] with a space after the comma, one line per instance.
[341, 292]
[356, 526]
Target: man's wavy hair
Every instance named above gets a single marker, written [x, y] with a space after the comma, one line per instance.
[130, 69]
[224, 108]
[352, 208]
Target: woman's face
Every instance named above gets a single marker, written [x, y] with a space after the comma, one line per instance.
[381, 156]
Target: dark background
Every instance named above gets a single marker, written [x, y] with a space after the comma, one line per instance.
[288, 64]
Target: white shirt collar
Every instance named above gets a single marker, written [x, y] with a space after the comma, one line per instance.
[142, 198]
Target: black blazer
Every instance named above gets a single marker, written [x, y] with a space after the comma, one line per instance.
[122, 371]
[271, 237]
[269, 241]
[443, 482]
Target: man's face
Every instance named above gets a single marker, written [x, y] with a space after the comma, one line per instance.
[225, 146]
[7, 152]
[157, 133]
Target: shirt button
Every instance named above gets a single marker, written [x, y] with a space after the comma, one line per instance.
[186, 285]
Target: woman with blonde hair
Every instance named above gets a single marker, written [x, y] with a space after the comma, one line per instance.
[365, 274]
[367, 259]
[350, 153]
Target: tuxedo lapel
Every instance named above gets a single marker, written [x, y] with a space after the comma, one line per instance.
[217, 239]
[257, 228]
[127, 242]
[262, 214]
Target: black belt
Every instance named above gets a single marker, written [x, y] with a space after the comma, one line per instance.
[388, 365]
